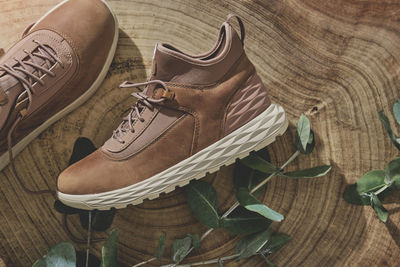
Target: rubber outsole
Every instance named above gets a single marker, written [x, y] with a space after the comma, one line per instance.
[253, 136]
[4, 159]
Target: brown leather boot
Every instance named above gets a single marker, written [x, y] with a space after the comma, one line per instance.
[57, 65]
[195, 114]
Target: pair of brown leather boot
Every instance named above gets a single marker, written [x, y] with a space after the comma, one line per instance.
[193, 115]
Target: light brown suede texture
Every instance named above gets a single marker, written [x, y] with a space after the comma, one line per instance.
[207, 104]
[88, 27]
[202, 125]
[201, 93]
[98, 173]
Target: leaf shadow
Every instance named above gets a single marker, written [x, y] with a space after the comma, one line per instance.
[393, 229]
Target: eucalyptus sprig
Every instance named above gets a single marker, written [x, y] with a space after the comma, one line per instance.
[64, 254]
[378, 183]
[248, 216]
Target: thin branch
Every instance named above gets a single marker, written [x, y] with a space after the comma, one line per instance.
[88, 238]
[381, 190]
[210, 261]
[144, 262]
[234, 206]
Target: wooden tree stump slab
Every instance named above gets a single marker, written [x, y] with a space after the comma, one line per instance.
[337, 61]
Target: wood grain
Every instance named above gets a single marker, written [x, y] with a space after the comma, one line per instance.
[337, 61]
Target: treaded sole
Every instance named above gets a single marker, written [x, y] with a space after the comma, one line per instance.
[253, 136]
[4, 159]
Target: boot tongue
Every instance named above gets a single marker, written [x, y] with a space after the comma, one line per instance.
[7, 81]
[11, 88]
[163, 64]
[163, 68]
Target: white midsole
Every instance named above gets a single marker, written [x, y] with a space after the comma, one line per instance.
[254, 135]
[4, 159]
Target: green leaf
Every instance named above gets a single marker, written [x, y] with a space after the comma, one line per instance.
[243, 222]
[371, 181]
[247, 200]
[247, 177]
[385, 121]
[396, 110]
[220, 263]
[257, 163]
[352, 196]
[64, 209]
[276, 242]
[202, 200]
[62, 254]
[161, 246]
[195, 241]
[250, 245]
[101, 219]
[39, 263]
[379, 209]
[303, 130]
[309, 173]
[392, 171]
[310, 143]
[109, 251]
[180, 248]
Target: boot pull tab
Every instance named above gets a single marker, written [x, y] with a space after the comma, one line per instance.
[241, 25]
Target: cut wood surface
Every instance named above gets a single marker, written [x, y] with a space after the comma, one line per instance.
[336, 61]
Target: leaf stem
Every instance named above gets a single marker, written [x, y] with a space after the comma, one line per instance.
[144, 262]
[210, 261]
[383, 188]
[234, 206]
[89, 238]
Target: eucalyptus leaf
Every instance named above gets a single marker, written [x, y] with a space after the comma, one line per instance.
[392, 171]
[303, 130]
[195, 241]
[247, 177]
[250, 202]
[180, 248]
[310, 144]
[257, 163]
[39, 263]
[62, 254]
[202, 200]
[352, 196]
[250, 245]
[379, 209]
[161, 246]
[385, 121]
[276, 242]
[109, 251]
[244, 222]
[371, 181]
[396, 110]
[309, 173]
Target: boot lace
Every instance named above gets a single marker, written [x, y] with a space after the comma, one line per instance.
[143, 101]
